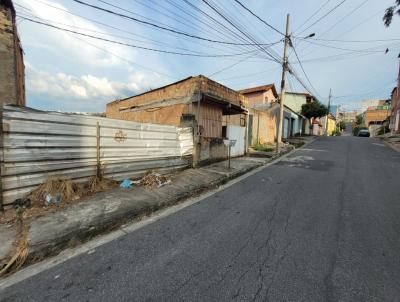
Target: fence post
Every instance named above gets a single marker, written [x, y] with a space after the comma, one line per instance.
[98, 149]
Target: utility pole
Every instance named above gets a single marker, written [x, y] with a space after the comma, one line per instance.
[329, 109]
[283, 86]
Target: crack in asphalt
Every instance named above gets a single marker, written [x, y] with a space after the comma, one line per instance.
[327, 280]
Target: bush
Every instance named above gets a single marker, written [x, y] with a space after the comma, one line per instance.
[263, 147]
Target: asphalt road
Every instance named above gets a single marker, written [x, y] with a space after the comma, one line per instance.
[322, 225]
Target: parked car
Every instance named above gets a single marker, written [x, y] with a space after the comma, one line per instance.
[364, 133]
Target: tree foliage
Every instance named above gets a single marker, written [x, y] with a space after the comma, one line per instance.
[314, 109]
[359, 120]
[389, 13]
[341, 125]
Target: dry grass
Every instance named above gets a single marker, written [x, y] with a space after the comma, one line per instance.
[19, 253]
[67, 190]
[96, 184]
[70, 193]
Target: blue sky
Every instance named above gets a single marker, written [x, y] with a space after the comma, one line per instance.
[69, 72]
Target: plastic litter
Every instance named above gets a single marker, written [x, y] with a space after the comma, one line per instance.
[52, 199]
[126, 184]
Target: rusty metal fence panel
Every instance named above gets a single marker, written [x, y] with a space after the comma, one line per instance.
[38, 145]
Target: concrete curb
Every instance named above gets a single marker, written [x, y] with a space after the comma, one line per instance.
[390, 145]
[48, 235]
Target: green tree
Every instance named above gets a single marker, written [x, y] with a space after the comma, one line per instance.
[341, 125]
[359, 120]
[314, 110]
[389, 13]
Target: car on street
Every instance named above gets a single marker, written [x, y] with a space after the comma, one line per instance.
[364, 133]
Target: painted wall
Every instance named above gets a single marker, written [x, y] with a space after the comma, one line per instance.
[295, 101]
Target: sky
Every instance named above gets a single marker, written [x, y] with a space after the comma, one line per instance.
[71, 72]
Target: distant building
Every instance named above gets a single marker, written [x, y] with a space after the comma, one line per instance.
[371, 103]
[337, 112]
[350, 116]
[12, 69]
[375, 117]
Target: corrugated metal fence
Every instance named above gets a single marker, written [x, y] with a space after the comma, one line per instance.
[38, 145]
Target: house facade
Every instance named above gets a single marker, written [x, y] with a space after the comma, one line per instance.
[295, 100]
[263, 107]
[329, 124]
[394, 124]
[375, 117]
[259, 102]
[12, 69]
[195, 101]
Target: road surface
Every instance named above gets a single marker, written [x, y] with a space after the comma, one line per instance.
[321, 225]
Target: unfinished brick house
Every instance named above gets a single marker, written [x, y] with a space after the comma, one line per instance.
[195, 101]
[12, 74]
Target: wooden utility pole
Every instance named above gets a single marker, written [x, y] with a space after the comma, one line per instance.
[329, 109]
[283, 86]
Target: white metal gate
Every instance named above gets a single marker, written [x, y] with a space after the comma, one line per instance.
[239, 134]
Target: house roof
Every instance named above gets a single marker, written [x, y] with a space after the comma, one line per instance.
[151, 90]
[260, 88]
[171, 84]
[299, 93]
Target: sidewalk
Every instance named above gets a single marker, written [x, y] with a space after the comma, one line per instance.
[105, 211]
[392, 140]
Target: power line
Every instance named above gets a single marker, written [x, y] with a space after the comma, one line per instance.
[241, 31]
[302, 68]
[346, 49]
[162, 12]
[230, 66]
[119, 29]
[224, 33]
[156, 25]
[108, 34]
[315, 13]
[340, 20]
[318, 20]
[355, 41]
[262, 20]
[130, 45]
[344, 17]
[249, 75]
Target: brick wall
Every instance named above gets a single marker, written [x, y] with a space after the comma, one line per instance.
[170, 115]
[12, 77]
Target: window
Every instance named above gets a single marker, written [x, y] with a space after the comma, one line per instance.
[224, 132]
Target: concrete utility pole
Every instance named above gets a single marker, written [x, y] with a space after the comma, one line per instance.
[283, 86]
[329, 108]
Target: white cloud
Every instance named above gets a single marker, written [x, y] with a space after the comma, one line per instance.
[76, 45]
[98, 86]
[88, 87]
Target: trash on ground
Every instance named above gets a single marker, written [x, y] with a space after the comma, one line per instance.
[126, 184]
[153, 179]
[21, 203]
[52, 199]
